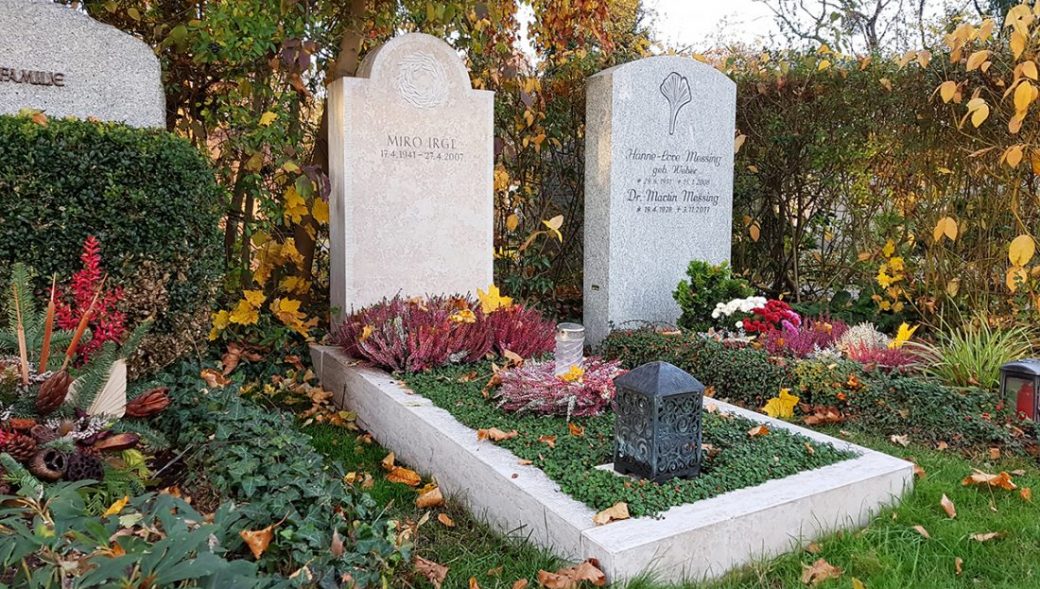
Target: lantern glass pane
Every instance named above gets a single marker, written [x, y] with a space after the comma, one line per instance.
[1021, 394]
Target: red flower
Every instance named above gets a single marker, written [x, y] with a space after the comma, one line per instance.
[108, 323]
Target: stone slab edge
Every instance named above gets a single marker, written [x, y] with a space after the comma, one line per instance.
[690, 542]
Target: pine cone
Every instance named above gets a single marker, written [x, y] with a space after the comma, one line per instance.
[21, 447]
[83, 466]
[52, 392]
[148, 403]
[48, 464]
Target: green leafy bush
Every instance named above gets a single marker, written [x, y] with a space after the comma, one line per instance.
[149, 197]
[972, 354]
[706, 286]
[256, 457]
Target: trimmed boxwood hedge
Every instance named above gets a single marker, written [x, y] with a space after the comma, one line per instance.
[150, 197]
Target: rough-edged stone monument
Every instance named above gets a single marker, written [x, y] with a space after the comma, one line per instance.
[658, 186]
[63, 62]
[411, 165]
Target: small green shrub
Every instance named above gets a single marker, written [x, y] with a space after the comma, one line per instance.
[972, 354]
[706, 286]
[148, 196]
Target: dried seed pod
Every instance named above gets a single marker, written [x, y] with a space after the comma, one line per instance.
[48, 464]
[44, 434]
[149, 403]
[122, 441]
[52, 392]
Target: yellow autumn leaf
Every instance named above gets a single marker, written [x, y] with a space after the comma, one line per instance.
[492, 300]
[295, 205]
[116, 507]
[755, 231]
[1025, 94]
[254, 297]
[1021, 250]
[554, 225]
[976, 59]
[1013, 156]
[979, 115]
[1017, 43]
[220, 322]
[781, 406]
[320, 210]
[739, 142]
[512, 222]
[244, 313]
[267, 118]
[1016, 276]
[1029, 69]
[947, 90]
[824, 64]
[945, 227]
[902, 336]
[889, 249]
[573, 374]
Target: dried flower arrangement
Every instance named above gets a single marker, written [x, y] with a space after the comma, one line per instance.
[58, 422]
[534, 387]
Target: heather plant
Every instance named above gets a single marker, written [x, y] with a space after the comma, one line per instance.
[886, 357]
[808, 339]
[535, 388]
[522, 331]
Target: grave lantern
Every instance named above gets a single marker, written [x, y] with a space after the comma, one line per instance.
[570, 345]
[657, 431]
[1019, 383]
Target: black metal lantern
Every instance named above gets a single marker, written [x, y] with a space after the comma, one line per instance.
[657, 431]
[1019, 383]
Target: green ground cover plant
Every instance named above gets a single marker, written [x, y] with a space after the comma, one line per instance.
[737, 460]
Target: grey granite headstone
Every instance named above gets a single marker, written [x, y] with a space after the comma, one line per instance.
[658, 186]
[63, 62]
[411, 163]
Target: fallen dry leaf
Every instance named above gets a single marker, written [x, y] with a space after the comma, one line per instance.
[548, 440]
[231, 358]
[473, 583]
[758, 430]
[336, 547]
[711, 408]
[388, 462]
[40, 119]
[434, 573]
[469, 376]
[994, 453]
[813, 548]
[958, 565]
[258, 540]
[496, 435]
[116, 507]
[405, 476]
[573, 577]
[819, 571]
[986, 537]
[525, 462]
[214, 379]
[446, 521]
[809, 449]
[575, 429]
[616, 512]
[514, 358]
[520, 584]
[857, 584]
[709, 392]
[1002, 480]
[922, 531]
[903, 440]
[941, 446]
[821, 415]
[496, 572]
[1026, 493]
[430, 499]
[948, 506]
[919, 471]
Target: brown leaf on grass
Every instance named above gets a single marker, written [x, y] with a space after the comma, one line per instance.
[336, 547]
[548, 441]
[404, 476]
[709, 392]
[1002, 480]
[821, 415]
[616, 512]
[573, 577]
[430, 499]
[814, 548]
[919, 471]
[758, 431]
[469, 376]
[958, 565]
[496, 435]
[903, 440]
[524, 462]
[434, 573]
[294, 361]
[923, 532]
[1026, 493]
[446, 521]
[575, 429]
[473, 583]
[857, 584]
[711, 408]
[987, 536]
[214, 379]
[520, 584]
[494, 381]
[514, 358]
[388, 461]
[496, 572]
[994, 453]
[948, 506]
[941, 446]
[231, 358]
[809, 449]
[819, 571]
[258, 540]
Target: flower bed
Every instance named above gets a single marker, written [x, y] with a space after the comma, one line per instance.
[569, 452]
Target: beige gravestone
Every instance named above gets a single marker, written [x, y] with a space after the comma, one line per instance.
[411, 165]
[61, 61]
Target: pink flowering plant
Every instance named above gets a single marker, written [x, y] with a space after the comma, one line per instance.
[534, 387]
[808, 339]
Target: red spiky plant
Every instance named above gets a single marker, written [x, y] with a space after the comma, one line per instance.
[107, 323]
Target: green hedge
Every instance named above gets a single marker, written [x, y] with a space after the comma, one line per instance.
[873, 400]
[150, 198]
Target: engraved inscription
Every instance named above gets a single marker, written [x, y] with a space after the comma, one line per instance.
[415, 147]
[34, 77]
[422, 81]
[673, 181]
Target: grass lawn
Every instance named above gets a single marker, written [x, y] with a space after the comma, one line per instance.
[888, 554]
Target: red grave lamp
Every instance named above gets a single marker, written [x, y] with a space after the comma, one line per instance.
[1019, 384]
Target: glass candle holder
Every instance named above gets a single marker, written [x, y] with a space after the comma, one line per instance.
[570, 346]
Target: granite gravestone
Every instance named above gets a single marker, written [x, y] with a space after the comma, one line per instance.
[64, 63]
[411, 165]
[658, 186]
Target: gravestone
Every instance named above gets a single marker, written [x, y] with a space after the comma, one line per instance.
[411, 165]
[64, 63]
[658, 186]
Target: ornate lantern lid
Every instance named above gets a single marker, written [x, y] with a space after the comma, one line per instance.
[1030, 366]
[659, 379]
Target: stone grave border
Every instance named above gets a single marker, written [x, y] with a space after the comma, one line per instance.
[696, 541]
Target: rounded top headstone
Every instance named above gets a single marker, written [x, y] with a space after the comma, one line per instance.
[425, 70]
[666, 62]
